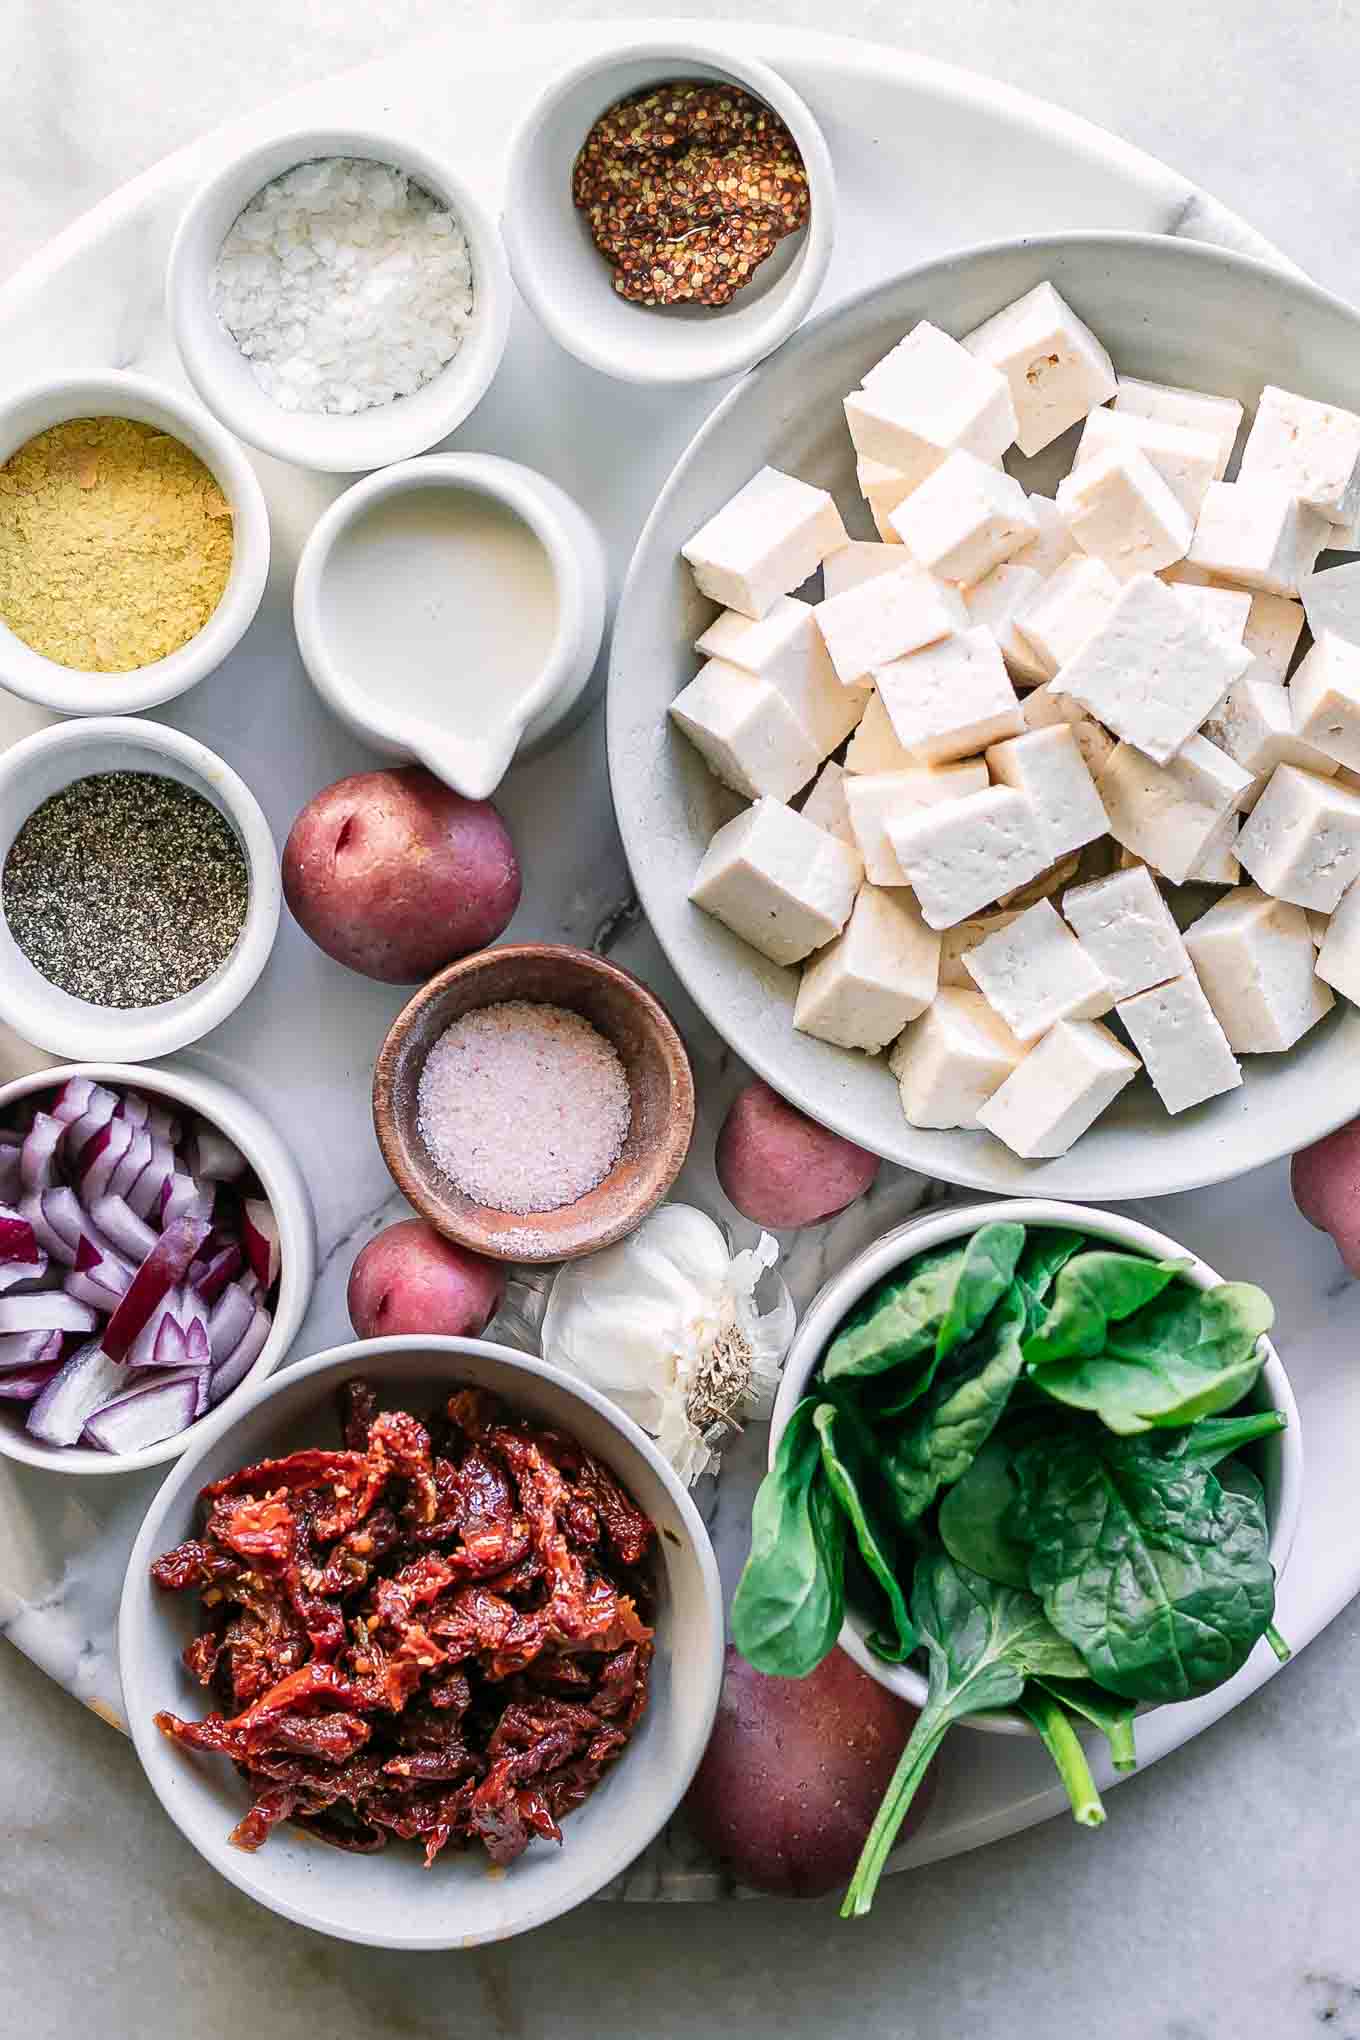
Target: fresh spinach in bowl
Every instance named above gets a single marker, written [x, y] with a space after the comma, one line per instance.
[1018, 1444]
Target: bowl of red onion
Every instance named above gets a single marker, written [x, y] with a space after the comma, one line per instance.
[157, 1255]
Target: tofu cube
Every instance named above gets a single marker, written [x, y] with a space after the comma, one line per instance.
[1221, 417]
[826, 804]
[1167, 814]
[964, 855]
[778, 882]
[1226, 610]
[1185, 459]
[1332, 602]
[874, 746]
[882, 488]
[862, 560]
[1047, 767]
[1059, 1091]
[956, 942]
[1120, 511]
[1036, 973]
[1068, 609]
[1057, 369]
[927, 399]
[1184, 1050]
[950, 1061]
[1338, 960]
[1259, 535]
[886, 617]
[1055, 543]
[1301, 842]
[745, 732]
[1313, 450]
[1274, 626]
[950, 699]
[1344, 538]
[872, 796]
[1127, 928]
[861, 990]
[1255, 726]
[965, 519]
[1152, 672]
[765, 542]
[1219, 865]
[994, 602]
[1254, 957]
[786, 649]
[1045, 709]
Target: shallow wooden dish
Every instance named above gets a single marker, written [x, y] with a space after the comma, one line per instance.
[659, 1079]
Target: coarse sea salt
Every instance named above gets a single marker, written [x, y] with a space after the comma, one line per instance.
[524, 1107]
[345, 285]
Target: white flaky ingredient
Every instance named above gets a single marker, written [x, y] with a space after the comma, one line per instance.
[345, 285]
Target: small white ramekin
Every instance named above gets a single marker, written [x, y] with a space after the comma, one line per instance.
[568, 282]
[282, 1182]
[221, 373]
[1283, 1456]
[40, 766]
[107, 394]
[473, 767]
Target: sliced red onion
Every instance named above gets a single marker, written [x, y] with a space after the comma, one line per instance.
[260, 1238]
[14, 1273]
[18, 1242]
[38, 1156]
[234, 1369]
[184, 1198]
[99, 1110]
[144, 1417]
[230, 1321]
[102, 1156]
[197, 1377]
[133, 1106]
[146, 1193]
[136, 1158]
[49, 1311]
[75, 1391]
[28, 1386]
[73, 1099]
[164, 1267]
[122, 1228]
[142, 1351]
[251, 1284]
[100, 1278]
[212, 1271]
[215, 1158]
[172, 1348]
[22, 1351]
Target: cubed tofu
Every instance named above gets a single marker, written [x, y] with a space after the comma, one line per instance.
[950, 1061]
[965, 519]
[925, 400]
[1195, 409]
[874, 746]
[1318, 924]
[826, 804]
[872, 796]
[886, 617]
[785, 647]
[1167, 814]
[1067, 610]
[1060, 1089]
[746, 732]
[1045, 708]
[1255, 726]
[1047, 767]
[779, 882]
[950, 699]
[1311, 449]
[1128, 929]
[1185, 459]
[1332, 602]
[1302, 840]
[956, 942]
[1257, 534]
[883, 971]
[1344, 538]
[1338, 945]
[1152, 671]
[1120, 511]
[964, 855]
[860, 561]
[765, 542]
[1052, 880]
[1185, 1052]
[1255, 959]
[1055, 543]
[1218, 865]
[994, 602]
[1225, 610]
[882, 488]
[1057, 369]
[1274, 627]
[1035, 973]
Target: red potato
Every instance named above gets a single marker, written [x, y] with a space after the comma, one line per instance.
[394, 875]
[410, 1279]
[794, 1774]
[781, 1168]
[1325, 1179]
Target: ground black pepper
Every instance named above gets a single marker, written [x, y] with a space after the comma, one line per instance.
[126, 889]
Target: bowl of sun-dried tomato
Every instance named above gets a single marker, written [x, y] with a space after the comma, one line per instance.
[424, 1648]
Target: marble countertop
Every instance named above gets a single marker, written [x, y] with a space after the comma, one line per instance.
[1224, 1905]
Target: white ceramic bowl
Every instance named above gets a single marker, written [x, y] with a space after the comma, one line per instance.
[222, 375]
[1169, 310]
[41, 765]
[472, 766]
[390, 1900]
[568, 282]
[1281, 1458]
[115, 395]
[282, 1182]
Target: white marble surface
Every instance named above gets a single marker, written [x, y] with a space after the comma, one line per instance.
[1219, 1900]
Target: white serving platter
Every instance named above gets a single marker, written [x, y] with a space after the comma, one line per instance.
[927, 158]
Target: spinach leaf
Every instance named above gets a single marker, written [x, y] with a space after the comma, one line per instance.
[848, 1471]
[790, 1599]
[925, 1310]
[1063, 1744]
[1213, 1438]
[1112, 1716]
[1187, 1354]
[1156, 1572]
[982, 1641]
[958, 1415]
[1092, 1290]
[973, 1518]
[1047, 1249]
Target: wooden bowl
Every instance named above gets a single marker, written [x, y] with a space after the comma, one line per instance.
[660, 1082]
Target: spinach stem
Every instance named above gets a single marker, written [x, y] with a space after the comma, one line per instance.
[1063, 1744]
[930, 1731]
[1277, 1643]
[1123, 1748]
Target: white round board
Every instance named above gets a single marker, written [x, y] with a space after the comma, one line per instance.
[927, 158]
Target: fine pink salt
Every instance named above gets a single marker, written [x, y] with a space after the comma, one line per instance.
[524, 1107]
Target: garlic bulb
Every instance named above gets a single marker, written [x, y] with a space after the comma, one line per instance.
[667, 1326]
